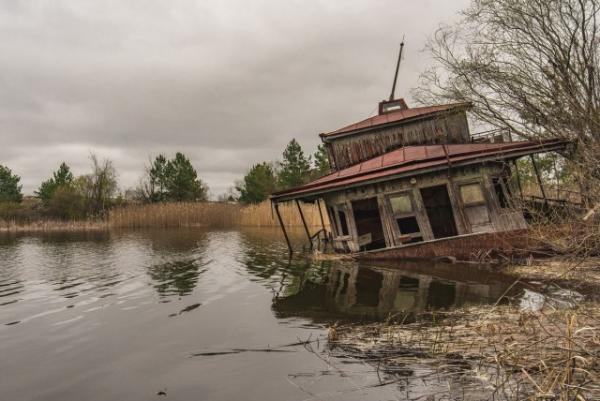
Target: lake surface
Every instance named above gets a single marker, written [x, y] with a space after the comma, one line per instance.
[202, 315]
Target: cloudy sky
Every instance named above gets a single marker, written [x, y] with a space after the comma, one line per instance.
[227, 82]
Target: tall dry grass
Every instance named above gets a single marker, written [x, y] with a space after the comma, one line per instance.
[211, 214]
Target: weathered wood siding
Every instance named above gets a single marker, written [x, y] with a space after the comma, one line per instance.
[487, 217]
[447, 128]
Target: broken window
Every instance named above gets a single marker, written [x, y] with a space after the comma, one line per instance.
[405, 216]
[501, 190]
[471, 194]
[475, 207]
[343, 228]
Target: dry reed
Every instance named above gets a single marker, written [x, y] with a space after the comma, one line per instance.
[211, 214]
[52, 225]
[517, 355]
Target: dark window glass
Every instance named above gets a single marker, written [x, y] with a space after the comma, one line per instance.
[500, 193]
[408, 225]
[343, 222]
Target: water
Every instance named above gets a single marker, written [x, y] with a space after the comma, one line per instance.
[191, 314]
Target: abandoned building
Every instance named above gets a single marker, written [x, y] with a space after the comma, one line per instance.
[413, 182]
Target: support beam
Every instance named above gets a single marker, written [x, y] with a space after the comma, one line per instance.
[539, 179]
[321, 216]
[287, 240]
[518, 178]
[304, 223]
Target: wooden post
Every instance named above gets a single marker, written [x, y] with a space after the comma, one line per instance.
[539, 179]
[304, 223]
[287, 240]
[321, 216]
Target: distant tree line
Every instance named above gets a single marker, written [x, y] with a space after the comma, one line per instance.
[68, 197]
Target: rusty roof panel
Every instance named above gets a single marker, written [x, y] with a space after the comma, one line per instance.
[415, 158]
[394, 117]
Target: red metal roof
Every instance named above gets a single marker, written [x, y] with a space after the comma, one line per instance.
[412, 159]
[395, 117]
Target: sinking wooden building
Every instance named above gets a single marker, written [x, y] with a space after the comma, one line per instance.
[412, 182]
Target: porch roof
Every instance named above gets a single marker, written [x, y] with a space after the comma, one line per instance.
[415, 160]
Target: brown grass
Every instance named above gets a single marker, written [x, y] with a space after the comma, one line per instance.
[518, 355]
[211, 214]
[52, 225]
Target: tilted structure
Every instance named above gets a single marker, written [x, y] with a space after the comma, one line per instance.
[414, 182]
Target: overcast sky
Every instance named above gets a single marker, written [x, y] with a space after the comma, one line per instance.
[227, 82]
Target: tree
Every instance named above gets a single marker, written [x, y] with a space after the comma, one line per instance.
[61, 177]
[10, 190]
[99, 187]
[527, 66]
[258, 184]
[321, 162]
[295, 167]
[182, 182]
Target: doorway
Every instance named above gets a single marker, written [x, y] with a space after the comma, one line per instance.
[439, 211]
[368, 224]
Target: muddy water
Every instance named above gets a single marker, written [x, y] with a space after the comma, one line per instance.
[191, 314]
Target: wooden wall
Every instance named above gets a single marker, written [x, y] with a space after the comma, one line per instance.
[448, 128]
[489, 216]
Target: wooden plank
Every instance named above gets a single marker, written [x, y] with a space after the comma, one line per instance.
[287, 240]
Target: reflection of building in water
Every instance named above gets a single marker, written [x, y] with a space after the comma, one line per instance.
[378, 292]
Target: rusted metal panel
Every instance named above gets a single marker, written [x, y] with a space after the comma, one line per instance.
[402, 115]
[465, 247]
[415, 160]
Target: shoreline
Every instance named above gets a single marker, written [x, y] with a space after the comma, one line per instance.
[548, 351]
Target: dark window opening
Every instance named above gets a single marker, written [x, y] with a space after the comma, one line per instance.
[368, 224]
[409, 283]
[343, 222]
[408, 225]
[502, 199]
[439, 211]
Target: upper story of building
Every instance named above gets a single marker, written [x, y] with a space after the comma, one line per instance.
[396, 125]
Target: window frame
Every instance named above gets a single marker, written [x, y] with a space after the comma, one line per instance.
[414, 214]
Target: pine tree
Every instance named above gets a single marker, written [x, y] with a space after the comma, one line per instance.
[10, 190]
[321, 162]
[258, 184]
[182, 182]
[61, 177]
[295, 167]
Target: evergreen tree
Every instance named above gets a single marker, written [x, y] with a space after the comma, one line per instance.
[258, 184]
[321, 162]
[182, 182]
[295, 167]
[61, 177]
[158, 179]
[10, 190]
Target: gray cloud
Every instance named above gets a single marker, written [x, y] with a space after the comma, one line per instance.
[229, 83]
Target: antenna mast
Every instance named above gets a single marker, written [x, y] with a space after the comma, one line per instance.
[397, 68]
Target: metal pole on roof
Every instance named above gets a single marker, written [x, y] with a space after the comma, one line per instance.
[287, 240]
[397, 69]
[304, 224]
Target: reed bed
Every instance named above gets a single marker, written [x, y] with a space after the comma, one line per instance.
[211, 214]
[52, 225]
[551, 354]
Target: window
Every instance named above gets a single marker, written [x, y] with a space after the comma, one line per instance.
[343, 222]
[471, 194]
[408, 225]
[405, 216]
[401, 204]
[501, 190]
[475, 207]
